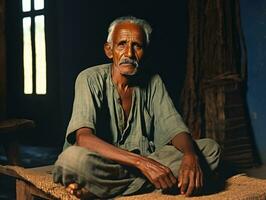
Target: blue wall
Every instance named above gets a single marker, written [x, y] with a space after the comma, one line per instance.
[253, 15]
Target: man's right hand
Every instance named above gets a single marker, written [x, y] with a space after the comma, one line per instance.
[159, 175]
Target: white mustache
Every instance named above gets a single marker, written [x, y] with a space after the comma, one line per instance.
[129, 61]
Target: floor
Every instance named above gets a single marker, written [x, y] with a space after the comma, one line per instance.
[38, 156]
[257, 172]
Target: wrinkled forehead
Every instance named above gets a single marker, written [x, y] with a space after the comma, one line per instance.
[127, 29]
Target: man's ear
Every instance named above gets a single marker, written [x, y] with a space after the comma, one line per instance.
[108, 50]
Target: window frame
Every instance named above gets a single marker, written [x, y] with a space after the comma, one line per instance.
[32, 14]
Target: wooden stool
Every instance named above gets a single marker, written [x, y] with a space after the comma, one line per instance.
[9, 130]
[24, 189]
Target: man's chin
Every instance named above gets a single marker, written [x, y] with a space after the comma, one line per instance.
[128, 70]
[129, 73]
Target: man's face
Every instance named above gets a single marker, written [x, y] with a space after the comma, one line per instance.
[127, 47]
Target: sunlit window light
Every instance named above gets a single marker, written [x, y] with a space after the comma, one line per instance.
[40, 55]
[38, 4]
[27, 55]
[26, 5]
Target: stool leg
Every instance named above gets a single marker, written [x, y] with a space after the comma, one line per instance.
[27, 191]
[12, 152]
[23, 191]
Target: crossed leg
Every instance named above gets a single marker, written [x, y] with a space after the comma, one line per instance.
[86, 174]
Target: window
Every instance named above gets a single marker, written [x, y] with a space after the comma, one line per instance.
[34, 47]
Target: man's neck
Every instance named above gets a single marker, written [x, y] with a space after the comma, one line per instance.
[123, 82]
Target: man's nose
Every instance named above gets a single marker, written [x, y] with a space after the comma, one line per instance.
[129, 51]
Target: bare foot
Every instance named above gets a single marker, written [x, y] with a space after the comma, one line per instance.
[82, 193]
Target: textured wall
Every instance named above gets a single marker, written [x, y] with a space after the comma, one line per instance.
[253, 15]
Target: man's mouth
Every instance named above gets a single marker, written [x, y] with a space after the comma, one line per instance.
[129, 61]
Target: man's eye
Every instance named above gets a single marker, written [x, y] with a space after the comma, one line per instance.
[122, 44]
[137, 46]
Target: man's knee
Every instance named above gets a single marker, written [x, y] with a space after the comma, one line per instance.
[87, 164]
[90, 170]
[211, 147]
[211, 151]
[73, 156]
[73, 165]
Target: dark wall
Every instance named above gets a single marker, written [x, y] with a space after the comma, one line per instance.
[253, 15]
[82, 31]
[75, 34]
[2, 62]
[43, 109]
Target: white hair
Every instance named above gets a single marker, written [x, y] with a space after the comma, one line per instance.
[141, 22]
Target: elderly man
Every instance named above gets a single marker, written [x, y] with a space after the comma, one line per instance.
[125, 136]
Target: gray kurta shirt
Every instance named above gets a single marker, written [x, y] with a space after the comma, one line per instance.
[153, 120]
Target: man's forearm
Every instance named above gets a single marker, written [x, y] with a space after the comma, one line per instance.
[86, 138]
[183, 142]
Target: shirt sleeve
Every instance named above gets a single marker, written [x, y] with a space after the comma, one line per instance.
[167, 121]
[84, 107]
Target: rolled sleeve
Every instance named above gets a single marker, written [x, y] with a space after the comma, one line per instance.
[84, 107]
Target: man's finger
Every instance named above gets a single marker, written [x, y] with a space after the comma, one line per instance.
[170, 179]
[201, 179]
[191, 185]
[198, 181]
[157, 184]
[184, 185]
[180, 180]
[198, 184]
[163, 183]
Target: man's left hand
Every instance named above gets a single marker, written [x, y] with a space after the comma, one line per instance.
[190, 178]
